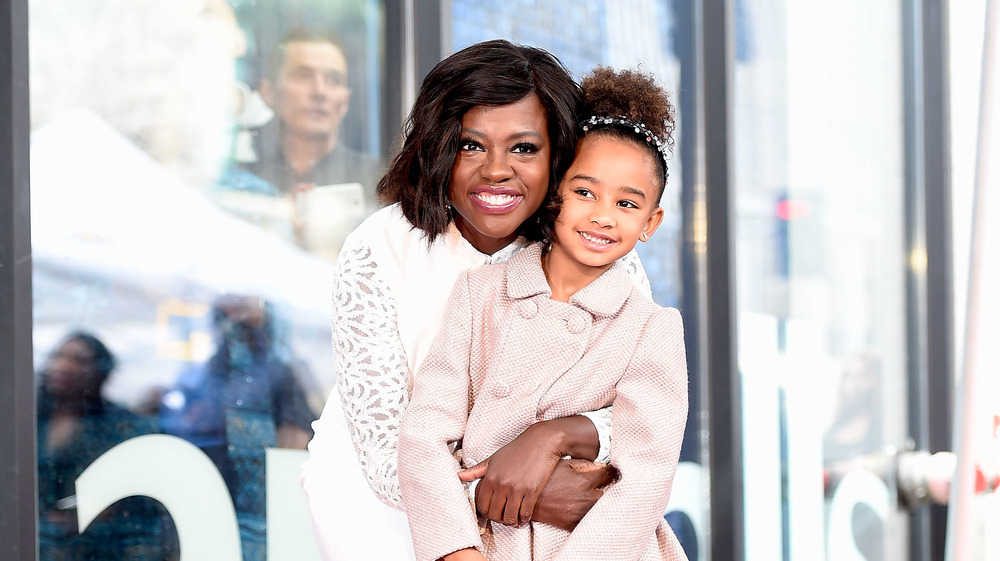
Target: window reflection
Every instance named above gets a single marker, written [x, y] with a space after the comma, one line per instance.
[75, 426]
[821, 290]
[294, 174]
[244, 399]
[167, 223]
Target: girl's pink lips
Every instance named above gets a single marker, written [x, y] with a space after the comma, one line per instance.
[495, 200]
[596, 241]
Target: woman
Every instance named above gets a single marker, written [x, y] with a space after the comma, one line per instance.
[76, 425]
[491, 132]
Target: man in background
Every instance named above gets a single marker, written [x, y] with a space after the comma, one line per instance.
[306, 87]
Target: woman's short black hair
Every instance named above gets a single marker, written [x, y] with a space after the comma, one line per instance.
[491, 73]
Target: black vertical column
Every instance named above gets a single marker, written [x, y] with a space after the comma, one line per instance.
[928, 239]
[724, 394]
[18, 540]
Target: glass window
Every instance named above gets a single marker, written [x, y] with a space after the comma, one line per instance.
[818, 128]
[195, 166]
[975, 495]
[620, 34]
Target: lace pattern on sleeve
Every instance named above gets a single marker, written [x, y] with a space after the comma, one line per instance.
[637, 273]
[372, 377]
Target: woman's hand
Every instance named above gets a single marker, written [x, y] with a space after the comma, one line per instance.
[571, 491]
[515, 476]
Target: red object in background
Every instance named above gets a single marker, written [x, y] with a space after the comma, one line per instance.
[791, 209]
[986, 484]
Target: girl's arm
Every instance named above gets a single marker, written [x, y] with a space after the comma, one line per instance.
[650, 413]
[442, 520]
[372, 376]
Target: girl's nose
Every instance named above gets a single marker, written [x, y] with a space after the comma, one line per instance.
[602, 216]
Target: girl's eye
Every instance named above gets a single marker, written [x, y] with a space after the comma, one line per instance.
[584, 193]
[524, 148]
[627, 204]
[469, 146]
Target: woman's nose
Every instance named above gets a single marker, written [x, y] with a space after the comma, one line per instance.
[497, 167]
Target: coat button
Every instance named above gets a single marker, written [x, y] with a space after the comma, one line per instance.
[501, 390]
[527, 309]
[576, 324]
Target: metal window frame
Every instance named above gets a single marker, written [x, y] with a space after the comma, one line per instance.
[705, 45]
[18, 495]
[930, 329]
[414, 43]
[714, 157]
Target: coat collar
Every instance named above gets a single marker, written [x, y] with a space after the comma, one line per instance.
[603, 297]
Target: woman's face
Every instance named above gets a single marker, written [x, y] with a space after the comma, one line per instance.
[501, 173]
[72, 370]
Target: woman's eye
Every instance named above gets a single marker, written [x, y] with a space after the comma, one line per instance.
[524, 148]
[469, 146]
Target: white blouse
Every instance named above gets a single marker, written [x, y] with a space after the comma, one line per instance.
[390, 291]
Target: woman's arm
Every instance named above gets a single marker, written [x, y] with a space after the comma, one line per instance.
[650, 413]
[372, 376]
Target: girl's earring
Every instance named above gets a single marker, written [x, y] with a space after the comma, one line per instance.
[644, 236]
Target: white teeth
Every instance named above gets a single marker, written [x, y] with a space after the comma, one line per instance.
[498, 200]
[595, 240]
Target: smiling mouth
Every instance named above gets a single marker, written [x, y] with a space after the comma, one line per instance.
[492, 202]
[598, 241]
[497, 199]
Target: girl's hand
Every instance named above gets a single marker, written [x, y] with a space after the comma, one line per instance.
[468, 554]
[514, 476]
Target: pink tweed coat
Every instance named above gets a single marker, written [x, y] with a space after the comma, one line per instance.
[522, 357]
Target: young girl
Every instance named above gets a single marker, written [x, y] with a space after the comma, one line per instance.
[552, 332]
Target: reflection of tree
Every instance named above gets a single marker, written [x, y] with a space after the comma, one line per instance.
[160, 73]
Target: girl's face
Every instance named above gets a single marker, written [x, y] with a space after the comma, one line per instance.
[501, 173]
[609, 200]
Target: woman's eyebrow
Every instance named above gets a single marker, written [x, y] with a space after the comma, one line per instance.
[516, 136]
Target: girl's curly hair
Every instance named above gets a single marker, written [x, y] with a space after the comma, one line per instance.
[632, 94]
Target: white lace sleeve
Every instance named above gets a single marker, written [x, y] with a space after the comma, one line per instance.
[602, 422]
[637, 273]
[372, 376]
